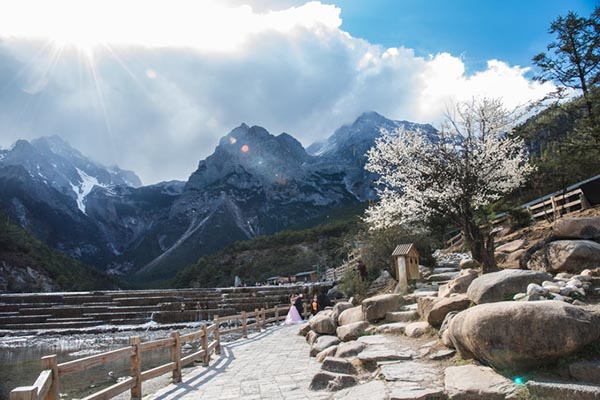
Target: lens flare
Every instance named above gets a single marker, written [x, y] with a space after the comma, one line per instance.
[232, 140]
[245, 148]
[519, 380]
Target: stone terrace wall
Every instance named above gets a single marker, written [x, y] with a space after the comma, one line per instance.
[73, 310]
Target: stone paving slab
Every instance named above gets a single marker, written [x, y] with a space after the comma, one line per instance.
[273, 364]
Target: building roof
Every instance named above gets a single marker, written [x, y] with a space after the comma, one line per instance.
[404, 249]
[306, 273]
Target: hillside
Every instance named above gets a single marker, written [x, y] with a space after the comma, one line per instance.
[285, 253]
[28, 265]
[564, 146]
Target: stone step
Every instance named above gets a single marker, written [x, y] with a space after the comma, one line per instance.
[57, 311]
[53, 325]
[9, 307]
[8, 313]
[135, 321]
[563, 391]
[31, 298]
[78, 300]
[145, 301]
[24, 319]
[119, 315]
[70, 319]
[401, 316]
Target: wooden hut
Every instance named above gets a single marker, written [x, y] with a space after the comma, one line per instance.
[406, 264]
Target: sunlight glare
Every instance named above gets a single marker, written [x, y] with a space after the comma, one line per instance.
[205, 25]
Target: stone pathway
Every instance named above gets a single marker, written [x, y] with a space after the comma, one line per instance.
[273, 364]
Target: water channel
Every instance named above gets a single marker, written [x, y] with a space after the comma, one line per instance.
[20, 359]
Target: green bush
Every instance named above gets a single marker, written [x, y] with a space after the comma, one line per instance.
[519, 218]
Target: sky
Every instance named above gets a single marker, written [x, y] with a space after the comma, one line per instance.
[151, 85]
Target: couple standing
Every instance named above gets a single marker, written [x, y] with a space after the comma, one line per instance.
[294, 316]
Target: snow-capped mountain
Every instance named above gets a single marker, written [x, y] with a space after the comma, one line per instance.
[254, 183]
[53, 161]
[345, 150]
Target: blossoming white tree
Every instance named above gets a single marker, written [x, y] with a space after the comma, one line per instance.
[469, 164]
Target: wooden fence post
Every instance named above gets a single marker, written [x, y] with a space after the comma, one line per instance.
[51, 363]
[276, 315]
[206, 357]
[176, 357]
[257, 318]
[217, 335]
[24, 393]
[264, 318]
[135, 368]
[244, 330]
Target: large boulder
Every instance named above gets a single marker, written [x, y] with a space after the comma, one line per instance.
[322, 343]
[522, 334]
[351, 331]
[322, 324]
[566, 256]
[444, 305]
[577, 228]
[374, 308]
[503, 285]
[338, 308]
[351, 315]
[460, 284]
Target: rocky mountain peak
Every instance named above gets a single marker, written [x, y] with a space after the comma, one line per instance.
[252, 150]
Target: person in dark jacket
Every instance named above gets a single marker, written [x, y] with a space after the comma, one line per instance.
[323, 301]
[299, 305]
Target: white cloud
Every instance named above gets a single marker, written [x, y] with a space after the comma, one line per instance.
[158, 98]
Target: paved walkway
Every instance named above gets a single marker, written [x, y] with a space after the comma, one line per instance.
[273, 364]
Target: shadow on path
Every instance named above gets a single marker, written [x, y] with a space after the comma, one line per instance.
[218, 366]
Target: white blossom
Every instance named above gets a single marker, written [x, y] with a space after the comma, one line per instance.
[471, 162]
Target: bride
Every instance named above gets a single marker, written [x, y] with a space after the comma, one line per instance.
[293, 316]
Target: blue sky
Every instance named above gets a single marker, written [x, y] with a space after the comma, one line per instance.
[151, 85]
[479, 30]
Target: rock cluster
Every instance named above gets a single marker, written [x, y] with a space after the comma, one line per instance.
[511, 319]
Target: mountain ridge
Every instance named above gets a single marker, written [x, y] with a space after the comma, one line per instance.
[254, 183]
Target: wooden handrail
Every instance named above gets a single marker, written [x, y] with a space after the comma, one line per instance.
[47, 383]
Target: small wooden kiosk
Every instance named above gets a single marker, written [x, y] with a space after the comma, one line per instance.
[406, 264]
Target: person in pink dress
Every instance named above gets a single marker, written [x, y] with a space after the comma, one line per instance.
[293, 316]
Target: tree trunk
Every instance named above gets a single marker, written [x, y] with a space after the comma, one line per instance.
[481, 245]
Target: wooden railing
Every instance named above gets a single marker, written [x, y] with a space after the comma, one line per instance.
[556, 206]
[548, 209]
[46, 386]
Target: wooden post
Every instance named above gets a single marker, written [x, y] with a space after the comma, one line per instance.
[51, 363]
[244, 330]
[554, 212]
[206, 357]
[257, 318]
[217, 335]
[24, 393]
[135, 368]
[276, 314]
[264, 318]
[176, 357]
